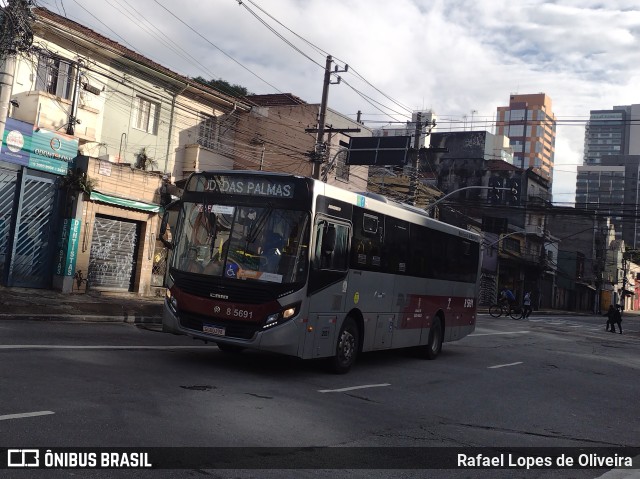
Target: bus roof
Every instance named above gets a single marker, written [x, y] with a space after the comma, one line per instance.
[369, 200]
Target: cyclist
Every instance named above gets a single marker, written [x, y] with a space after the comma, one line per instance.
[507, 297]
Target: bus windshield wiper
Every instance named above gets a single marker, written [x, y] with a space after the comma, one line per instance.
[257, 227]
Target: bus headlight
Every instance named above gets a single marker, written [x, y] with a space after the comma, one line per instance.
[290, 312]
[282, 316]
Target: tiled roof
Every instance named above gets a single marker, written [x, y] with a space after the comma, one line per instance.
[500, 165]
[276, 99]
[47, 16]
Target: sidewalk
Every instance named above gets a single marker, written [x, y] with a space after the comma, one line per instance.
[43, 304]
[547, 312]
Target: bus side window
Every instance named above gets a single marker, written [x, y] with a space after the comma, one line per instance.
[368, 238]
[396, 246]
[332, 246]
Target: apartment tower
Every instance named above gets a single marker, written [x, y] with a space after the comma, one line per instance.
[530, 124]
[608, 181]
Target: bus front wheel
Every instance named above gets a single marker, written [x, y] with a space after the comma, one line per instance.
[346, 347]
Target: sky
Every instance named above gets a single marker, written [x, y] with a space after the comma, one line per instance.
[460, 58]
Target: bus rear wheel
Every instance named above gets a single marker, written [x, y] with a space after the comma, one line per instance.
[432, 349]
[346, 347]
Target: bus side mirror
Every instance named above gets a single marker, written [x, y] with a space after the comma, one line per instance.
[164, 225]
[329, 240]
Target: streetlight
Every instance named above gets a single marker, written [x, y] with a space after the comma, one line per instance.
[511, 234]
[430, 207]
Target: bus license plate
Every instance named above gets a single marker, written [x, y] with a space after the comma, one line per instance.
[216, 330]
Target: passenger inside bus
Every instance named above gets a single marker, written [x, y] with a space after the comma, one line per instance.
[217, 262]
[272, 250]
[190, 261]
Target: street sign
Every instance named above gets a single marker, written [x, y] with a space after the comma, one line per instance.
[378, 150]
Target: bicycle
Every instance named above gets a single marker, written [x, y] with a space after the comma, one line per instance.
[503, 309]
[79, 278]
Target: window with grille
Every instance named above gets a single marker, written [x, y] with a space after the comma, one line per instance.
[208, 131]
[54, 75]
[145, 115]
[511, 244]
[342, 169]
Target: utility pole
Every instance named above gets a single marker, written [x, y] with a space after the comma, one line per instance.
[73, 116]
[15, 36]
[320, 151]
[413, 178]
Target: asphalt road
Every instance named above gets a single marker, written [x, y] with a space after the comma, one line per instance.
[559, 382]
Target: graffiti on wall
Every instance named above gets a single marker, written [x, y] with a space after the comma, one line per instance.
[463, 164]
[112, 257]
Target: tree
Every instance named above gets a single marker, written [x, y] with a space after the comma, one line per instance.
[224, 86]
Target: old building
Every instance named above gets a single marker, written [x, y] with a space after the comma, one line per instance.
[95, 126]
[279, 134]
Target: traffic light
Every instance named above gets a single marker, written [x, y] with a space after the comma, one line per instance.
[514, 192]
[495, 193]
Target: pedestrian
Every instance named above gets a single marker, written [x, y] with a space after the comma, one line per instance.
[526, 305]
[611, 315]
[617, 319]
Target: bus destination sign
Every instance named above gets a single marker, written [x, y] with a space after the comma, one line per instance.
[264, 187]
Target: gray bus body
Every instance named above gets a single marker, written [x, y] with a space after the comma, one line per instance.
[354, 273]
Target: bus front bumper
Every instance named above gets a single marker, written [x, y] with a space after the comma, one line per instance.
[283, 338]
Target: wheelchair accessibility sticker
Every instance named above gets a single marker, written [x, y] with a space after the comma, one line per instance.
[232, 271]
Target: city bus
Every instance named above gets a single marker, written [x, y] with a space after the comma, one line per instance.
[288, 264]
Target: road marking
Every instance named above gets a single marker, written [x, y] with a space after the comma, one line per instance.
[25, 414]
[504, 365]
[63, 346]
[494, 334]
[352, 388]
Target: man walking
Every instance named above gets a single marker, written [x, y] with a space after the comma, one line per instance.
[526, 305]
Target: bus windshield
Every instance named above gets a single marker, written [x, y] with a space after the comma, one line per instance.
[239, 242]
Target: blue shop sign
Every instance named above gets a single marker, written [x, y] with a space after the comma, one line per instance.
[38, 148]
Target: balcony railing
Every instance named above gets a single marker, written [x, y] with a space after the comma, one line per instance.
[52, 113]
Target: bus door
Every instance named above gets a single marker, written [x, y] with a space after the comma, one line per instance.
[370, 289]
[327, 284]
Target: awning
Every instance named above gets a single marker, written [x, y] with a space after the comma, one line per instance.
[586, 285]
[124, 202]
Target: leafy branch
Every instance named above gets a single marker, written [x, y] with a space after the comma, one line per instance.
[77, 180]
[144, 161]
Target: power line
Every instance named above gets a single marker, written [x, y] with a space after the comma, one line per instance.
[216, 46]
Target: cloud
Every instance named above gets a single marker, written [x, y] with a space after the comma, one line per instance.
[454, 56]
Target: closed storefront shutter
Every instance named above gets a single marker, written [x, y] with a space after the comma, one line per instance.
[8, 181]
[113, 254]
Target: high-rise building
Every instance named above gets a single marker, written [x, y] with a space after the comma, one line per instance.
[530, 124]
[612, 132]
[605, 134]
[611, 188]
[607, 183]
